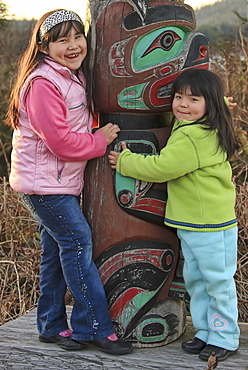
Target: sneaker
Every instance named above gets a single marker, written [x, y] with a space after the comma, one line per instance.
[220, 353]
[117, 347]
[64, 342]
[193, 346]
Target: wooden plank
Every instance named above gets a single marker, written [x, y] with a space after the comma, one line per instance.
[21, 350]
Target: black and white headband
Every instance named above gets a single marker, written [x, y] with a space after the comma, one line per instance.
[56, 18]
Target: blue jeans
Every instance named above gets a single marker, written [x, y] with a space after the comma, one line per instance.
[66, 261]
[210, 261]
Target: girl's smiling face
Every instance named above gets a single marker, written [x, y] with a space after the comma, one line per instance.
[69, 51]
[188, 107]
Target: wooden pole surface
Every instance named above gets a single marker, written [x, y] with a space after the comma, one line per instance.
[138, 49]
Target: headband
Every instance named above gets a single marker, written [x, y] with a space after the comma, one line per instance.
[56, 18]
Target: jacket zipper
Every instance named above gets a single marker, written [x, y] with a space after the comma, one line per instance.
[59, 172]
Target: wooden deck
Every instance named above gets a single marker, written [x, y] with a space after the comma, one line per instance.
[21, 350]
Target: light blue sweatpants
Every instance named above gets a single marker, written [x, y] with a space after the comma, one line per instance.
[209, 268]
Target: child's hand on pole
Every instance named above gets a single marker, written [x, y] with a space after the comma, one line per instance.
[110, 132]
[231, 103]
[113, 156]
[123, 145]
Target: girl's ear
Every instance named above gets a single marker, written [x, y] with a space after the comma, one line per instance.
[43, 49]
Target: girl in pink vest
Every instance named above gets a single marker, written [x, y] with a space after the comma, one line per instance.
[51, 114]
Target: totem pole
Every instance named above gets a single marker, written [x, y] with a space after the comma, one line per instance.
[139, 48]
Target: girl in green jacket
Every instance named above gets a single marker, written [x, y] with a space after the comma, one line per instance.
[201, 201]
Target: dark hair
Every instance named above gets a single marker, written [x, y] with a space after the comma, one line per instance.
[205, 83]
[33, 57]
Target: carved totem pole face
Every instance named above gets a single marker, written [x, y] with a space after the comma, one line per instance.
[137, 59]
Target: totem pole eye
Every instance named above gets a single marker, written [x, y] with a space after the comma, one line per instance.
[164, 41]
[167, 41]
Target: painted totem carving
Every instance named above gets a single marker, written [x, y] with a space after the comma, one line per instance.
[139, 49]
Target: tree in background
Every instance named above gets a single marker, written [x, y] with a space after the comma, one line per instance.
[3, 14]
[14, 36]
[3, 137]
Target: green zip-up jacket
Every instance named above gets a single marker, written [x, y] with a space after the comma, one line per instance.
[201, 194]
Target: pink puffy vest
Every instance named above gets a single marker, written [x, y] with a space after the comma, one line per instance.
[34, 169]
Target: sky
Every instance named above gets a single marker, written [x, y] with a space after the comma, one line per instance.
[35, 9]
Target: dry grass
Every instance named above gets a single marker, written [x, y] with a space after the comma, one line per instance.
[19, 257]
[242, 267]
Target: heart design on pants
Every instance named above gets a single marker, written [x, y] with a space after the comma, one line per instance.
[218, 323]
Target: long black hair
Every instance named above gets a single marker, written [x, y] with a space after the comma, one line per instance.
[217, 117]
